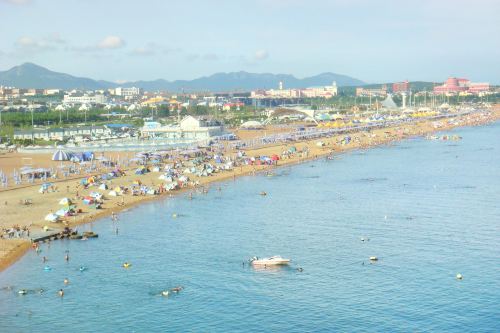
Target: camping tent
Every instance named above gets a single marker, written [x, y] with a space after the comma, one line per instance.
[65, 201]
[51, 217]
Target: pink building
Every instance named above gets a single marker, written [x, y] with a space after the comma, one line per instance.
[457, 85]
[479, 87]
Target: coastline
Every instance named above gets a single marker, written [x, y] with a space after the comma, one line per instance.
[13, 249]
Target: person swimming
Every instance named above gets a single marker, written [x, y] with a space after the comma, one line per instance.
[82, 268]
[66, 281]
[66, 257]
[61, 293]
[165, 293]
[176, 289]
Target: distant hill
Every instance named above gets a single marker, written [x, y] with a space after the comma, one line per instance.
[29, 75]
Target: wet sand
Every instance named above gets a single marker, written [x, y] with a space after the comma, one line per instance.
[13, 213]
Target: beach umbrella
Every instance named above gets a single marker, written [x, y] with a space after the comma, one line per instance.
[60, 155]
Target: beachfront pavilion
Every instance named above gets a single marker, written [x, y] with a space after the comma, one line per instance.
[192, 128]
[278, 112]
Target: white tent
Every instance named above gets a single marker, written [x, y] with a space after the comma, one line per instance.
[65, 201]
[51, 217]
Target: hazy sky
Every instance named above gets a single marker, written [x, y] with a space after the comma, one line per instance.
[375, 41]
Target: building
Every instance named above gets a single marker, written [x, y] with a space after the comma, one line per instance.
[400, 87]
[374, 92]
[479, 87]
[59, 133]
[84, 99]
[455, 85]
[311, 92]
[189, 129]
[130, 92]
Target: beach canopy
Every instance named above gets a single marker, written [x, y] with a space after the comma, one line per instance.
[103, 187]
[65, 201]
[60, 155]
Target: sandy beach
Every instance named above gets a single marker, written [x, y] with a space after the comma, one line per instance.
[31, 216]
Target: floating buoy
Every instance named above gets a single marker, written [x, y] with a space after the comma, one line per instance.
[459, 276]
[373, 258]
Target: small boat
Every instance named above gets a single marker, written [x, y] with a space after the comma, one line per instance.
[274, 260]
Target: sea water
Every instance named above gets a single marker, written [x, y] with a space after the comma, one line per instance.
[429, 210]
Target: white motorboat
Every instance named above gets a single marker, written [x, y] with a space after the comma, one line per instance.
[274, 260]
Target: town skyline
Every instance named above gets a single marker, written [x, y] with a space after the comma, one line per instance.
[395, 42]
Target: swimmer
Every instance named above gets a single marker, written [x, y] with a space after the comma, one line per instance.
[82, 268]
[66, 281]
[176, 289]
[165, 293]
[300, 269]
[66, 257]
[61, 293]
[44, 259]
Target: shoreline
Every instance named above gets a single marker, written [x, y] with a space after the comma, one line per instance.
[14, 249]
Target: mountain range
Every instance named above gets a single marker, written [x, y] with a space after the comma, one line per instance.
[30, 75]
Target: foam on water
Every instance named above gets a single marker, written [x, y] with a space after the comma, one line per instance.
[430, 211]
